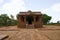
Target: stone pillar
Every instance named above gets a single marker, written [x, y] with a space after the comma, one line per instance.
[25, 19]
[34, 19]
[34, 23]
[19, 21]
[25, 22]
[40, 21]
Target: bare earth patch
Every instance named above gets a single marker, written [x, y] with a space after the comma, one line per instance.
[48, 32]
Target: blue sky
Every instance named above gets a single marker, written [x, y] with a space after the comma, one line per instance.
[49, 7]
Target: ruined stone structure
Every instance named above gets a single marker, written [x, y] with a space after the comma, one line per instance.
[29, 19]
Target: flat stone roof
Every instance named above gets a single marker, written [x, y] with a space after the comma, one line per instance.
[30, 13]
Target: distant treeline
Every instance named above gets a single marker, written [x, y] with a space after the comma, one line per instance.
[57, 23]
[5, 20]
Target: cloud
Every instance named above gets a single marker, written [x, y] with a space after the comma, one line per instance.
[45, 10]
[1, 1]
[56, 7]
[14, 7]
[53, 11]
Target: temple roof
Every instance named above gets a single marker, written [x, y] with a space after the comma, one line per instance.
[30, 13]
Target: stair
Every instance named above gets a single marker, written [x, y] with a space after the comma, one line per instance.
[30, 26]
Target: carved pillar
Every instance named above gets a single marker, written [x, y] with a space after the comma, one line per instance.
[34, 23]
[25, 21]
[34, 19]
[40, 21]
[19, 21]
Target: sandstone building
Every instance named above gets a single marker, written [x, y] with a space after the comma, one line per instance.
[29, 19]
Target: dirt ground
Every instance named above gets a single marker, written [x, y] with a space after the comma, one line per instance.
[48, 32]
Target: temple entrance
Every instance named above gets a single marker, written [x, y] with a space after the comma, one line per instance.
[30, 19]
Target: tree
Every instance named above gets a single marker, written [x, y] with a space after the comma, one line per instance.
[46, 18]
[58, 22]
[13, 21]
[4, 18]
[12, 17]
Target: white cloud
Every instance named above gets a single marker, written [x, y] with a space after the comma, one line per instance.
[56, 7]
[1, 1]
[45, 11]
[14, 7]
[53, 11]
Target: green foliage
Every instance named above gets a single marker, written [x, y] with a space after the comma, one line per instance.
[6, 21]
[46, 18]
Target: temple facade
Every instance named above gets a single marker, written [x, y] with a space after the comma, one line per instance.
[29, 19]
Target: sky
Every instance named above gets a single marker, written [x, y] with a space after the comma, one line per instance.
[49, 7]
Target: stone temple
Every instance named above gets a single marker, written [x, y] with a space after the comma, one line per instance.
[29, 19]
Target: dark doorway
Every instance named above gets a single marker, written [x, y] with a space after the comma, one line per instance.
[29, 19]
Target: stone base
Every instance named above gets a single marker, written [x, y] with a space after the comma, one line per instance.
[30, 26]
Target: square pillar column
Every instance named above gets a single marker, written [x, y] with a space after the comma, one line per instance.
[19, 21]
[25, 22]
[40, 21]
[34, 23]
[25, 19]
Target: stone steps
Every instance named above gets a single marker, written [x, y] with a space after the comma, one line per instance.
[29, 26]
